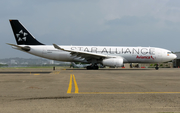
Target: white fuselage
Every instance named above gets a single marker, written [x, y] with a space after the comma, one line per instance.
[129, 54]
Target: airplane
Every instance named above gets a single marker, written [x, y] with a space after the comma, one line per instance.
[79, 65]
[113, 56]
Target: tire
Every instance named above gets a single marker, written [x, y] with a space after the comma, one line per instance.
[156, 68]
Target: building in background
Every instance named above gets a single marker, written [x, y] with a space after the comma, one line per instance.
[176, 62]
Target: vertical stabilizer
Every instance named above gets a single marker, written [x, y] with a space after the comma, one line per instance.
[22, 36]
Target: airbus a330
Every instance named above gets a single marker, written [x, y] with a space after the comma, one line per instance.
[114, 56]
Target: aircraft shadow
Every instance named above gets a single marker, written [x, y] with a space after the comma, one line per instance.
[116, 69]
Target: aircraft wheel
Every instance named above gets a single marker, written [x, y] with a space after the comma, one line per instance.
[95, 67]
[156, 68]
[88, 67]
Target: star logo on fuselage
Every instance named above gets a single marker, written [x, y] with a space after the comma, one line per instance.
[21, 36]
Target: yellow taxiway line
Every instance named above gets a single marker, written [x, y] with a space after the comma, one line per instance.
[70, 85]
[77, 90]
[129, 93]
[75, 85]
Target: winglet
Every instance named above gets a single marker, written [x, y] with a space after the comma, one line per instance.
[57, 47]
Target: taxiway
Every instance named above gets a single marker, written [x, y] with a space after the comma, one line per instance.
[80, 90]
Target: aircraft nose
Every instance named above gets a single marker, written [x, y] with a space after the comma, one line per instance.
[175, 56]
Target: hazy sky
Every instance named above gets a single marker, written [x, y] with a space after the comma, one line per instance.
[154, 23]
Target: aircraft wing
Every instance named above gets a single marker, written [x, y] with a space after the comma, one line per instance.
[83, 54]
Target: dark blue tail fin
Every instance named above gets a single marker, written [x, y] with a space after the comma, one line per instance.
[22, 36]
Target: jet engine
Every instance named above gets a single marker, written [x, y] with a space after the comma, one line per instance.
[114, 62]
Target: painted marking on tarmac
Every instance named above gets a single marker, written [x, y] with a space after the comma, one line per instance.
[77, 90]
[70, 85]
[55, 72]
[128, 93]
[36, 74]
[75, 85]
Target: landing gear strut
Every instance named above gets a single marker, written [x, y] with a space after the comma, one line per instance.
[92, 67]
[156, 67]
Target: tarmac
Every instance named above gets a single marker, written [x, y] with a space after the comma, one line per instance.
[99, 91]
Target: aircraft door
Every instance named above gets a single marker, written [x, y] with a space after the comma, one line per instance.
[44, 52]
[159, 56]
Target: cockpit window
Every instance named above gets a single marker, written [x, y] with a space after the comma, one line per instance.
[169, 52]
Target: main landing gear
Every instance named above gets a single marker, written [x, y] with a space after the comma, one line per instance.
[92, 67]
[156, 67]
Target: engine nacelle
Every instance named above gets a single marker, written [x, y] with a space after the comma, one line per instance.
[114, 62]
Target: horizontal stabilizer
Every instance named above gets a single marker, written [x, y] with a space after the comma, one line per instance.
[25, 48]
